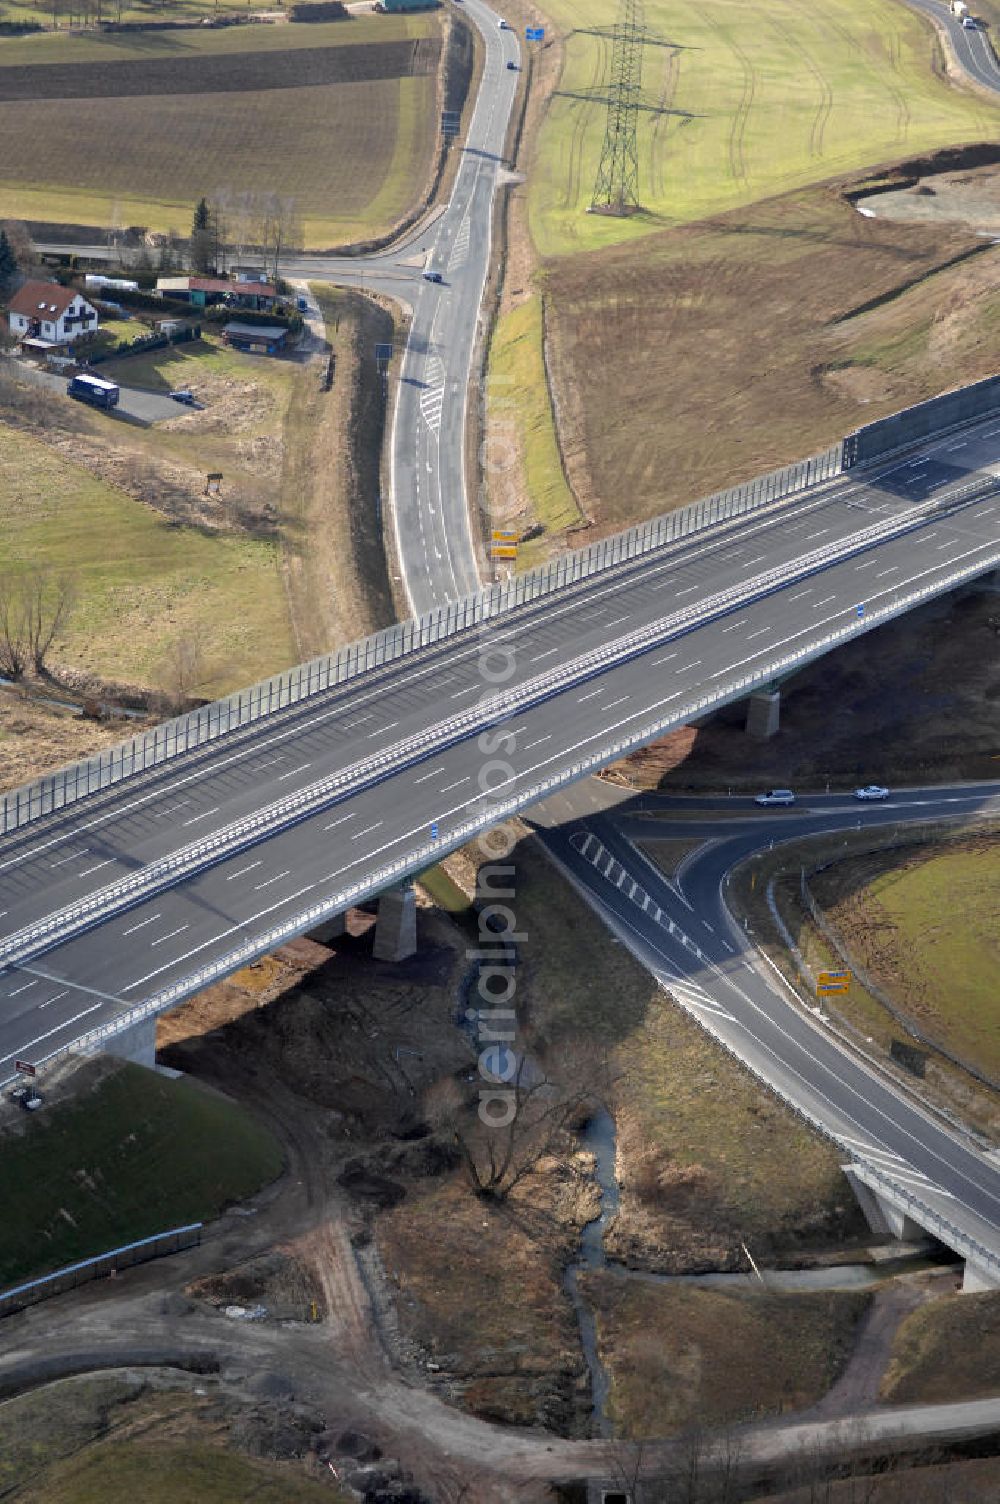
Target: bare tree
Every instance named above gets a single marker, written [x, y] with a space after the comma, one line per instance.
[48, 601]
[13, 641]
[524, 1120]
[183, 670]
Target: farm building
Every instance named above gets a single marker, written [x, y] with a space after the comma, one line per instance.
[44, 315]
[202, 291]
[258, 339]
[392, 6]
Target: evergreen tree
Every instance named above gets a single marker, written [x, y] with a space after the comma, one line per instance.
[8, 264]
[202, 238]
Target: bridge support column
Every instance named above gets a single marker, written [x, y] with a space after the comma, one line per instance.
[137, 1044]
[763, 714]
[978, 1278]
[396, 924]
[884, 1219]
[330, 929]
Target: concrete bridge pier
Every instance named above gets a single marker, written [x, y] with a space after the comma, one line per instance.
[396, 924]
[137, 1043]
[884, 1219]
[764, 713]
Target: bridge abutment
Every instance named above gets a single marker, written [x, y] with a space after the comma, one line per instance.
[763, 714]
[396, 924]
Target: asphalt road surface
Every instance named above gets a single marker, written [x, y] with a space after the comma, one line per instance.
[683, 933]
[568, 711]
[972, 49]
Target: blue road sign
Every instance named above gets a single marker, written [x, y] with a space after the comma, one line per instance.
[383, 352]
[451, 122]
[535, 33]
[434, 830]
[860, 610]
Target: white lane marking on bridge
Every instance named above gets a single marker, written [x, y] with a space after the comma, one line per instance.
[25, 1049]
[367, 830]
[24, 987]
[434, 773]
[547, 654]
[96, 867]
[538, 742]
[203, 816]
[161, 939]
[380, 730]
[665, 659]
[611, 705]
[54, 999]
[244, 870]
[590, 695]
[292, 772]
[340, 819]
[457, 784]
[160, 814]
[141, 925]
[269, 880]
[73, 857]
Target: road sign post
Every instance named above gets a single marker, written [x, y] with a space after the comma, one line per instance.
[25, 1069]
[503, 544]
[832, 981]
[534, 33]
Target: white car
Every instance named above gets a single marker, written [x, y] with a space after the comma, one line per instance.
[969, 22]
[871, 791]
[776, 796]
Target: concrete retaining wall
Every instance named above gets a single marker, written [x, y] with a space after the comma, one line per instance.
[900, 430]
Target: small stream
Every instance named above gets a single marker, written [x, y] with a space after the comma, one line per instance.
[598, 1137]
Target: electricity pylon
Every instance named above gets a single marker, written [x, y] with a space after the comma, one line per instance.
[616, 190]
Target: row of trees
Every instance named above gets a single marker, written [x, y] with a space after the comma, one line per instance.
[34, 609]
[231, 227]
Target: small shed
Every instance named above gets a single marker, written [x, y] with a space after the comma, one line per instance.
[257, 339]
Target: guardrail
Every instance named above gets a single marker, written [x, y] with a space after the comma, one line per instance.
[281, 691]
[185, 733]
[71, 1275]
[429, 852]
[234, 837]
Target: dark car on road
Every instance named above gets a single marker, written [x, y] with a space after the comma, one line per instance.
[433, 277]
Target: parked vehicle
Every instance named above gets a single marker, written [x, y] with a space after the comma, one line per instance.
[959, 8]
[504, 26]
[27, 1097]
[185, 396]
[872, 791]
[93, 390]
[776, 796]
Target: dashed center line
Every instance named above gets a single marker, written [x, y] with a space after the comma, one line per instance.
[269, 880]
[203, 816]
[292, 772]
[170, 935]
[244, 870]
[141, 925]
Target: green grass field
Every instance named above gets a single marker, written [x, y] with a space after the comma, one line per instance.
[336, 117]
[134, 1155]
[930, 929]
[748, 101]
[143, 581]
[947, 1350]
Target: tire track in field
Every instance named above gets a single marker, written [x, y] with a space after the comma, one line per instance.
[741, 115]
[824, 108]
[580, 123]
[893, 89]
[661, 124]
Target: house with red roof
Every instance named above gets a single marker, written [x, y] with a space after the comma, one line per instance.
[44, 315]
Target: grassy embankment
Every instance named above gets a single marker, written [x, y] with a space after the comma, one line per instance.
[130, 1154]
[704, 1159]
[927, 926]
[336, 117]
[946, 1351]
[111, 1436]
[712, 336]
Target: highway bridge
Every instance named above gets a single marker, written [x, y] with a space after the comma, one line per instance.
[132, 898]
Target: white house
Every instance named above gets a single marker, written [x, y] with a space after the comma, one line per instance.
[50, 314]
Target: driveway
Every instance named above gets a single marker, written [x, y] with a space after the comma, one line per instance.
[139, 405]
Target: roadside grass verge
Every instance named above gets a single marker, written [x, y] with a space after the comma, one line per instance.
[926, 924]
[351, 155]
[132, 1155]
[520, 403]
[683, 1357]
[946, 1350]
[745, 102]
[174, 1473]
[143, 580]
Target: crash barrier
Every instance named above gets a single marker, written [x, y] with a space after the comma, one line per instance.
[34, 1290]
[900, 430]
[281, 691]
